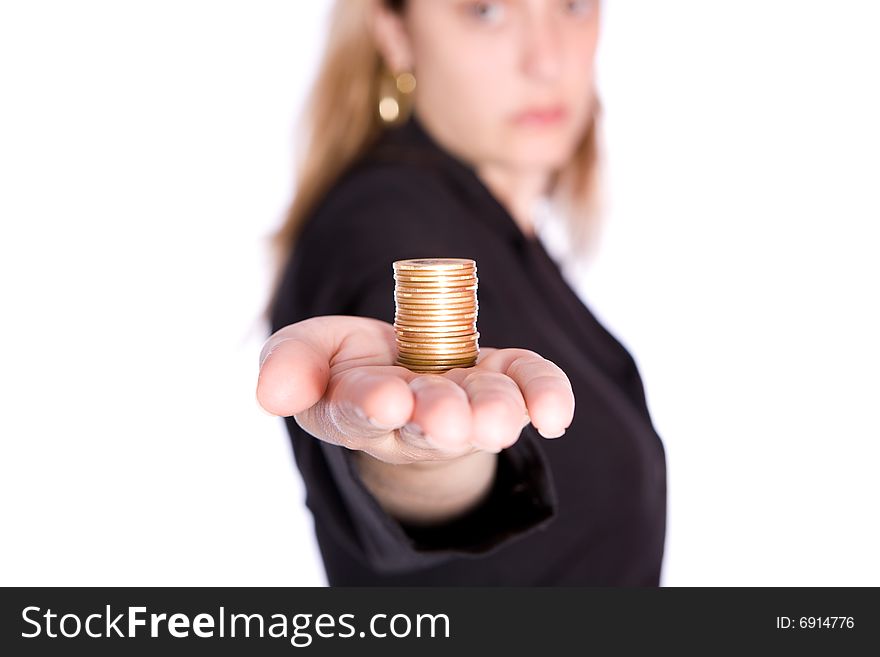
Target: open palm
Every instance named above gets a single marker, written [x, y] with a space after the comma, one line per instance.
[335, 374]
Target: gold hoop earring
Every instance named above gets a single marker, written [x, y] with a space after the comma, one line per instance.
[394, 96]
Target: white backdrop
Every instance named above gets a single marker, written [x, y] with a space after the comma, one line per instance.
[146, 154]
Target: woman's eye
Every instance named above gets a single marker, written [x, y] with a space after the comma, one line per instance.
[486, 12]
[579, 7]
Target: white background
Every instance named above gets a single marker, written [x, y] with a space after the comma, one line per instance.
[146, 154]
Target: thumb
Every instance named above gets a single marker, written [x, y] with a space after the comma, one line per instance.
[294, 368]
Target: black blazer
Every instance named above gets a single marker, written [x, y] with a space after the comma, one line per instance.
[588, 508]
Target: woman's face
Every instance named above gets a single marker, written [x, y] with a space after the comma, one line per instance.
[502, 82]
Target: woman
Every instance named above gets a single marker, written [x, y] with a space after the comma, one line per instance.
[463, 477]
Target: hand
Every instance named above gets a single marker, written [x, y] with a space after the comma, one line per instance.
[336, 376]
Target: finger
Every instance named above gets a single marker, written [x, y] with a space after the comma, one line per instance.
[370, 401]
[442, 414]
[498, 409]
[546, 389]
[295, 360]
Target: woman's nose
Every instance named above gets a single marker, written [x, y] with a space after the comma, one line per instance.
[542, 49]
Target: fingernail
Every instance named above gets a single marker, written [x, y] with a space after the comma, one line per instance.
[414, 429]
[362, 415]
[549, 434]
[430, 440]
[418, 432]
[379, 425]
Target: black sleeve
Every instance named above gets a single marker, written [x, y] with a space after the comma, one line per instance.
[343, 265]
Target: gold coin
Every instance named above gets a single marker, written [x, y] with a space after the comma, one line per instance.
[437, 320]
[436, 369]
[469, 284]
[417, 359]
[434, 264]
[439, 300]
[449, 331]
[436, 331]
[439, 338]
[409, 362]
[458, 343]
[459, 314]
[431, 347]
[432, 337]
[442, 296]
[434, 327]
[467, 333]
[422, 359]
[428, 345]
[430, 353]
[405, 295]
[432, 343]
[436, 304]
[436, 359]
[435, 273]
[435, 313]
[435, 281]
[463, 270]
[436, 348]
[428, 332]
[425, 312]
[421, 289]
[427, 277]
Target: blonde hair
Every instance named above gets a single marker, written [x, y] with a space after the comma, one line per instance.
[341, 121]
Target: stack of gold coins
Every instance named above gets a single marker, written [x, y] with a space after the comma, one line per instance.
[435, 315]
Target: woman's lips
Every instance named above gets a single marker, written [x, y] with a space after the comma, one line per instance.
[540, 116]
